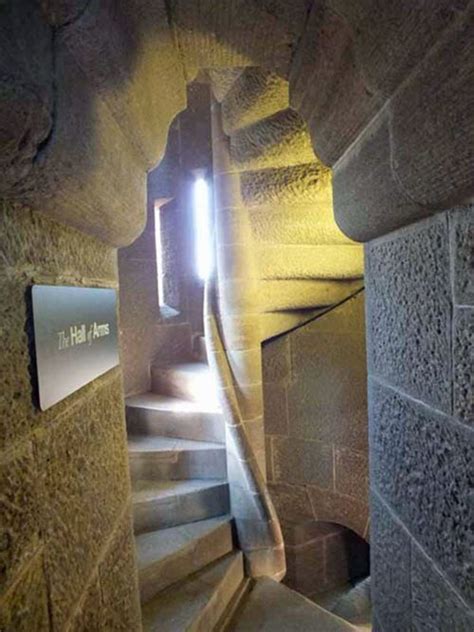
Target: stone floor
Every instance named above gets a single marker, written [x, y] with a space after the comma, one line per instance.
[350, 602]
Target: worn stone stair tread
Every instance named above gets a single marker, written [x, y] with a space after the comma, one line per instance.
[157, 401]
[197, 603]
[271, 607]
[165, 445]
[170, 458]
[144, 490]
[189, 380]
[163, 504]
[167, 556]
[157, 414]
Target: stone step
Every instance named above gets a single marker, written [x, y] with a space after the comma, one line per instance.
[282, 261]
[153, 414]
[298, 294]
[255, 95]
[163, 504]
[297, 185]
[273, 607]
[279, 141]
[199, 603]
[167, 556]
[307, 224]
[167, 458]
[191, 381]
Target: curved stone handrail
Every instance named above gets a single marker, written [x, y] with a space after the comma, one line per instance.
[257, 525]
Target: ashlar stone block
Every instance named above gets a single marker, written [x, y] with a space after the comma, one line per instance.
[19, 529]
[435, 605]
[26, 87]
[119, 581]
[302, 462]
[461, 226]
[25, 607]
[390, 569]
[83, 488]
[327, 86]
[463, 364]
[409, 311]
[431, 127]
[421, 463]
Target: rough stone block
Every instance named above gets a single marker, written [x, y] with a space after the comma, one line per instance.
[237, 33]
[390, 569]
[421, 462]
[300, 184]
[276, 360]
[463, 364]
[83, 488]
[26, 87]
[255, 95]
[279, 140]
[409, 311]
[36, 249]
[351, 473]
[291, 502]
[283, 261]
[327, 86]
[275, 409]
[61, 12]
[435, 605]
[138, 293]
[19, 531]
[302, 462]
[90, 613]
[327, 398]
[329, 506]
[139, 47]
[269, 459]
[25, 607]
[222, 80]
[368, 200]
[461, 224]
[393, 38]
[102, 191]
[119, 581]
[432, 131]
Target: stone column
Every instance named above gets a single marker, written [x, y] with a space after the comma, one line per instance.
[239, 307]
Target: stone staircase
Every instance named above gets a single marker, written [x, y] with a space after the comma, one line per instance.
[304, 262]
[191, 571]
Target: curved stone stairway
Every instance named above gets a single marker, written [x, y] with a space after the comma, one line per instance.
[304, 262]
[191, 571]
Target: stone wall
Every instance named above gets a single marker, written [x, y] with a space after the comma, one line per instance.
[150, 332]
[66, 555]
[315, 417]
[420, 308]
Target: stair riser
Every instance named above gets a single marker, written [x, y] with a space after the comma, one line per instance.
[174, 466]
[186, 561]
[174, 383]
[168, 512]
[179, 425]
[215, 609]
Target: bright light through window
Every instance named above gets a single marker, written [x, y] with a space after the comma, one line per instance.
[202, 228]
[159, 257]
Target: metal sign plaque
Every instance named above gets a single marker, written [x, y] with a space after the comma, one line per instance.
[75, 338]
